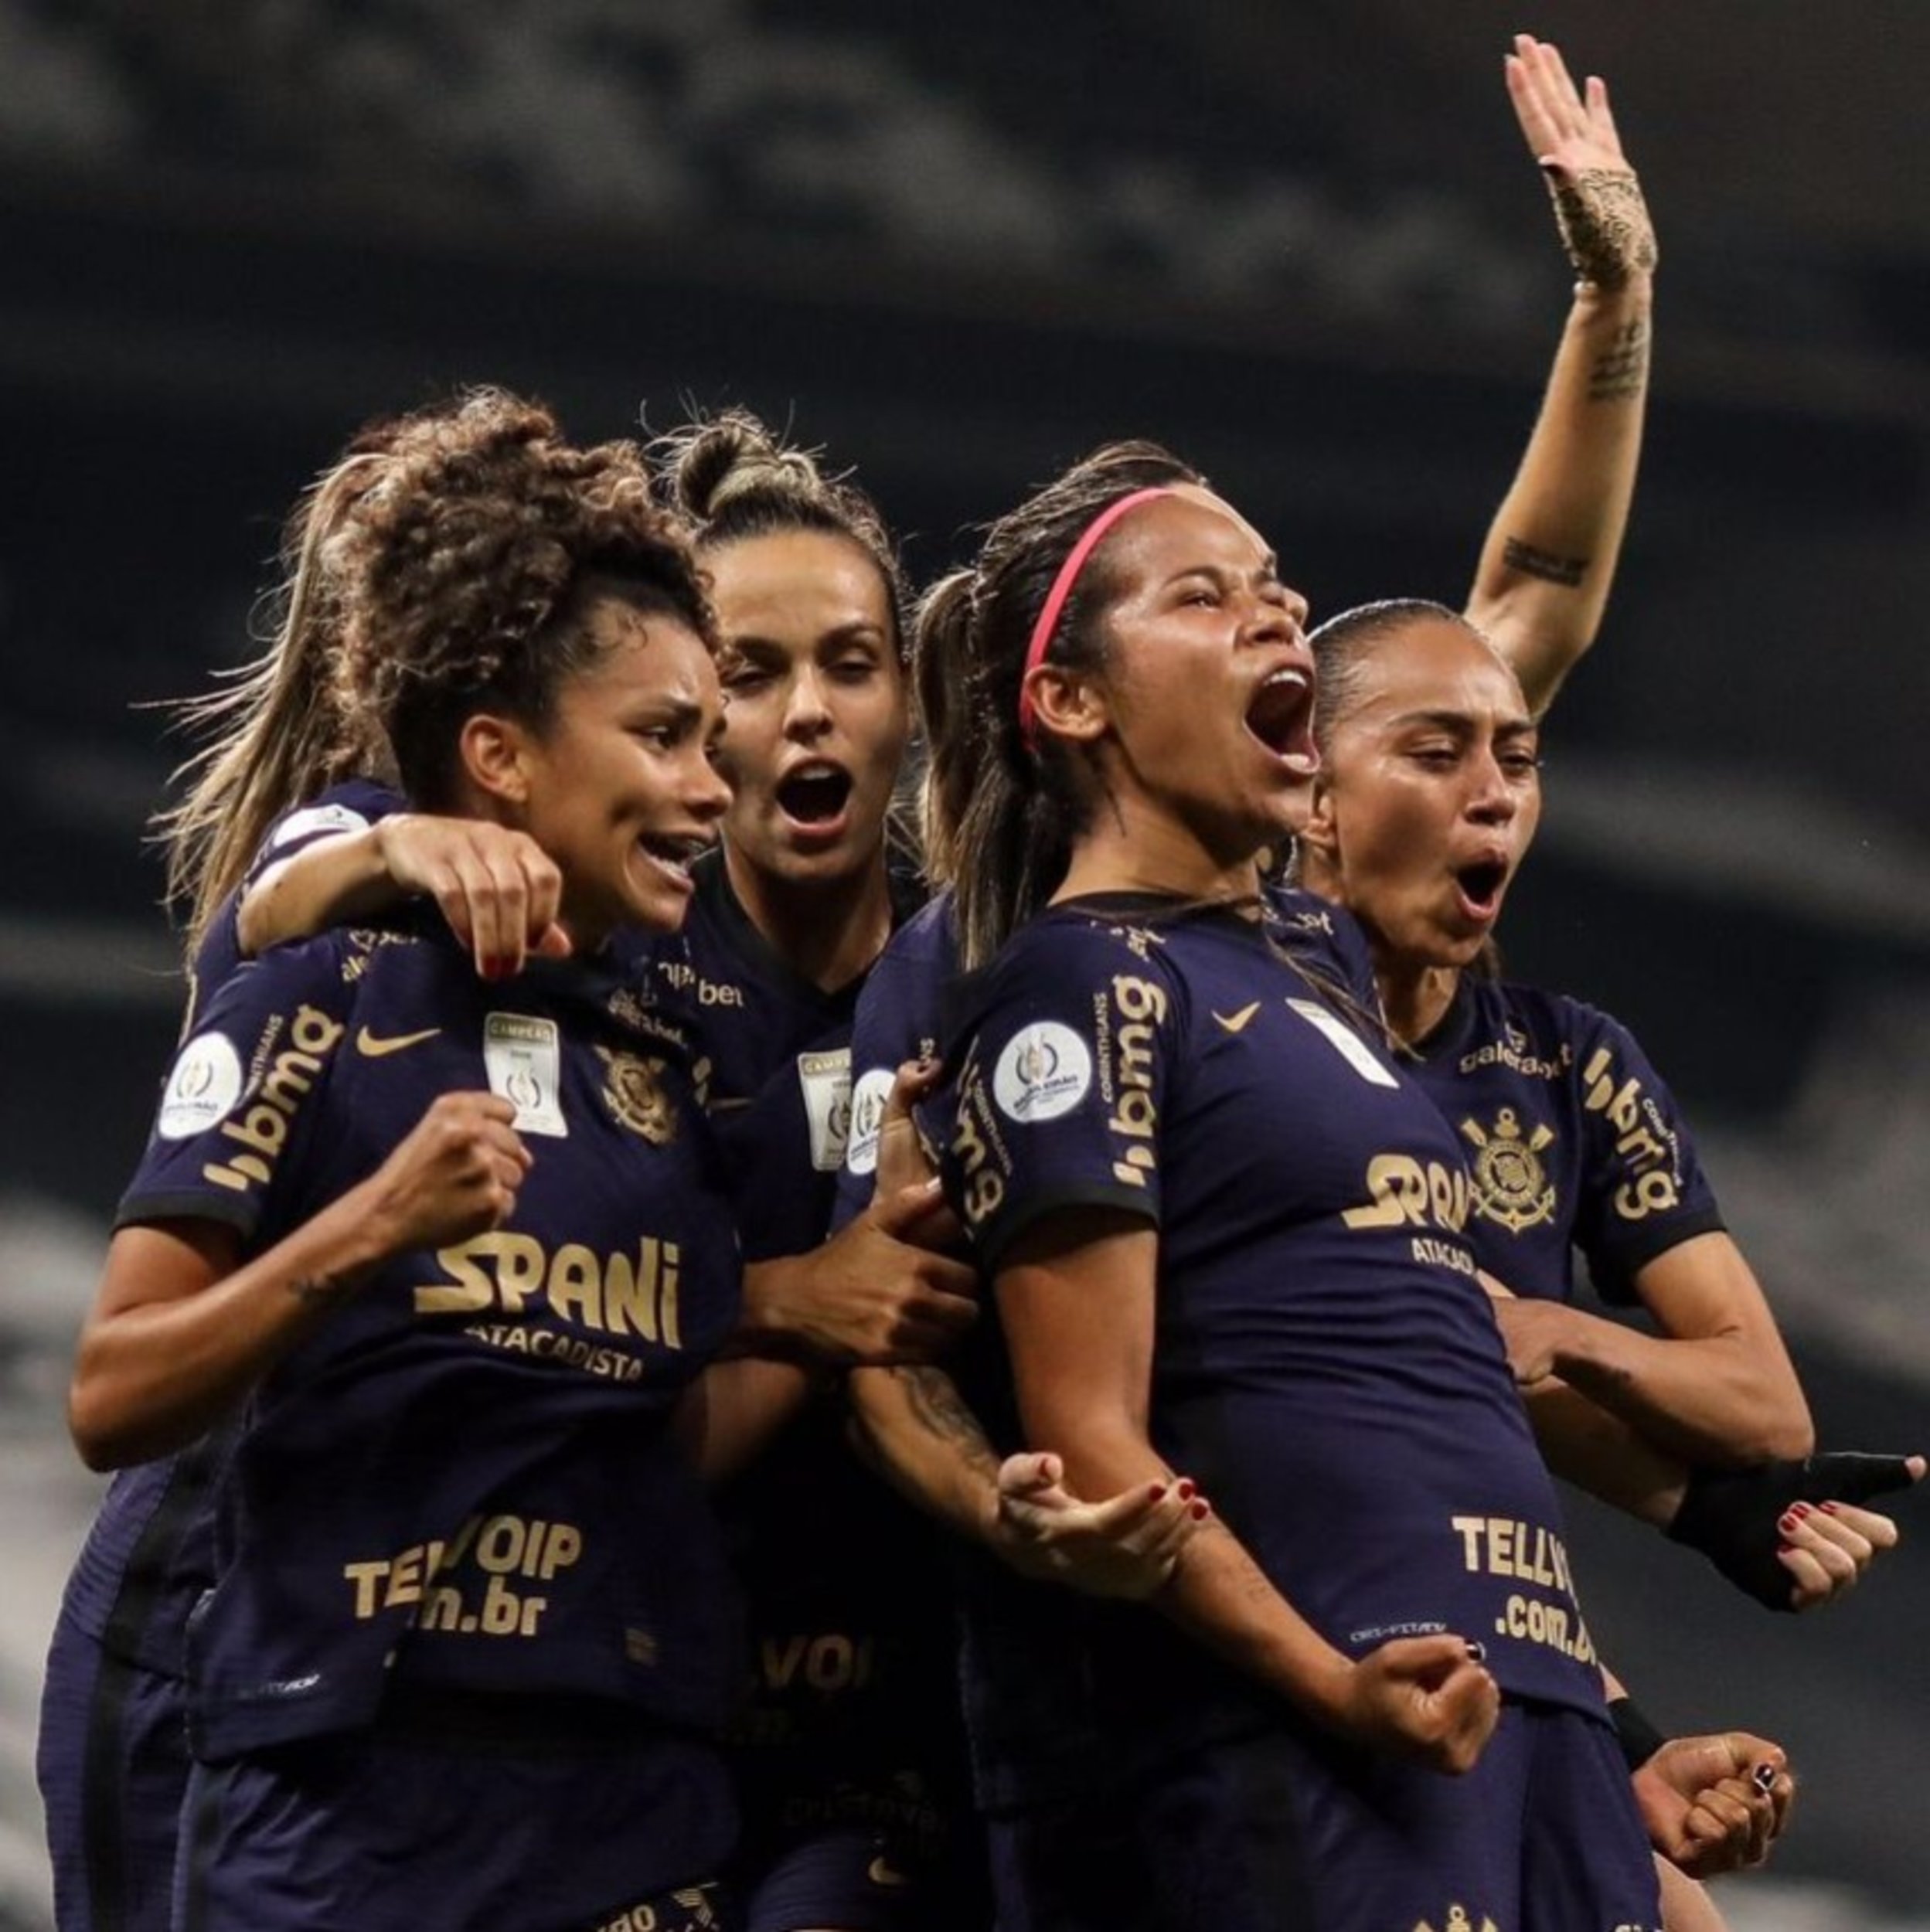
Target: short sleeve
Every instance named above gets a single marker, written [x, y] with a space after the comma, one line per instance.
[241, 1099]
[897, 1019]
[1643, 1188]
[1067, 1054]
[353, 806]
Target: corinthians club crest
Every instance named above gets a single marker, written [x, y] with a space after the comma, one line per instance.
[635, 1094]
[1511, 1187]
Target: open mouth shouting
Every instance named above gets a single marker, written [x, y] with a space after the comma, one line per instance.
[1280, 716]
[1479, 886]
[815, 798]
[672, 858]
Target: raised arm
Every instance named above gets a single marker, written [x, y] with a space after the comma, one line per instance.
[1546, 568]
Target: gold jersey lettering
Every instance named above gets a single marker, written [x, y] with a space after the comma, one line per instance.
[261, 1131]
[508, 1550]
[615, 1294]
[1141, 1006]
[984, 1188]
[1403, 1190]
[1643, 1140]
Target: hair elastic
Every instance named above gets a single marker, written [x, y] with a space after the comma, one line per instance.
[1062, 586]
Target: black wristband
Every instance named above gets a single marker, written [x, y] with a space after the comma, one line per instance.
[1639, 1738]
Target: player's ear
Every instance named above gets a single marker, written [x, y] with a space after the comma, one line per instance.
[1067, 703]
[1320, 834]
[495, 753]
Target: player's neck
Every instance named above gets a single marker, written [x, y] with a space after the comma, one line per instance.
[827, 930]
[1116, 855]
[1414, 997]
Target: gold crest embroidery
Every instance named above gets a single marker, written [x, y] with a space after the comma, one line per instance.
[637, 1096]
[1458, 1920]
[1511, 1187]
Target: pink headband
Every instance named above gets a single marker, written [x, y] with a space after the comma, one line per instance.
[1062, 586]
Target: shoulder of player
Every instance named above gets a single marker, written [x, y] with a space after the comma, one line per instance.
[1554, 1020]
[1082, 947]
[352, 805]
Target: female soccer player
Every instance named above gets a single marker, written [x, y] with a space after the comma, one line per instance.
[113, 1747]
[1176, 1151]
[846, 1756]
[456, 1254]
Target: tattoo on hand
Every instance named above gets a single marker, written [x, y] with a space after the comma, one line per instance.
[936, 1403]
[1531, 563]
[1604, 225]
[1621, 369]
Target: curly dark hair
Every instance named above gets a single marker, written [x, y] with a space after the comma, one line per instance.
[470, 567]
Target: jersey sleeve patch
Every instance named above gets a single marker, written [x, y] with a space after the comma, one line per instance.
[1058, 1097]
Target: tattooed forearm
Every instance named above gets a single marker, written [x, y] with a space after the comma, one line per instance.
[934, 1399]
[1531, 563]
[1622, 370]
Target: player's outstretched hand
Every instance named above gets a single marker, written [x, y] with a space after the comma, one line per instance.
[500, 891]
[1717, 1804]
[1605, 222]
[1795, 1535]
[1127, 1546]
[1428, 1698]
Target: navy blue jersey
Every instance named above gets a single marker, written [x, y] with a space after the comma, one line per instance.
[853, 1695]
[1325, 1364]
[148, 1556]
[464, 1476]
[904, 1012]
[778, 1048]
[1574, 1142]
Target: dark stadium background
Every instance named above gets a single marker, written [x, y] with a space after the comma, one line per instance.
[1301, 243]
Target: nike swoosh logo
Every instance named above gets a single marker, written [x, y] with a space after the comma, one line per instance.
[372, 1048]
[882, 1872]
[1235, 1022]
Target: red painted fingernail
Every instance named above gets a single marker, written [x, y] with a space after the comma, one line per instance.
[1828, 1508]
[1786, 1549]
[1186, 1490]
[1202, 1509]
[1798, 1509]
[1788, 1521]
[1158, 1490]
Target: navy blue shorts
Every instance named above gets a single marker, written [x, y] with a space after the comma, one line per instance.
[1271, 1833]
[387, 1832]
[113, 1768]
[855, 1880]
[883, 1851]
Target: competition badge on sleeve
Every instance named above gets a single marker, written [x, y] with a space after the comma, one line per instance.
[1044, 1071]
[524, 1062]
[203, 1087]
